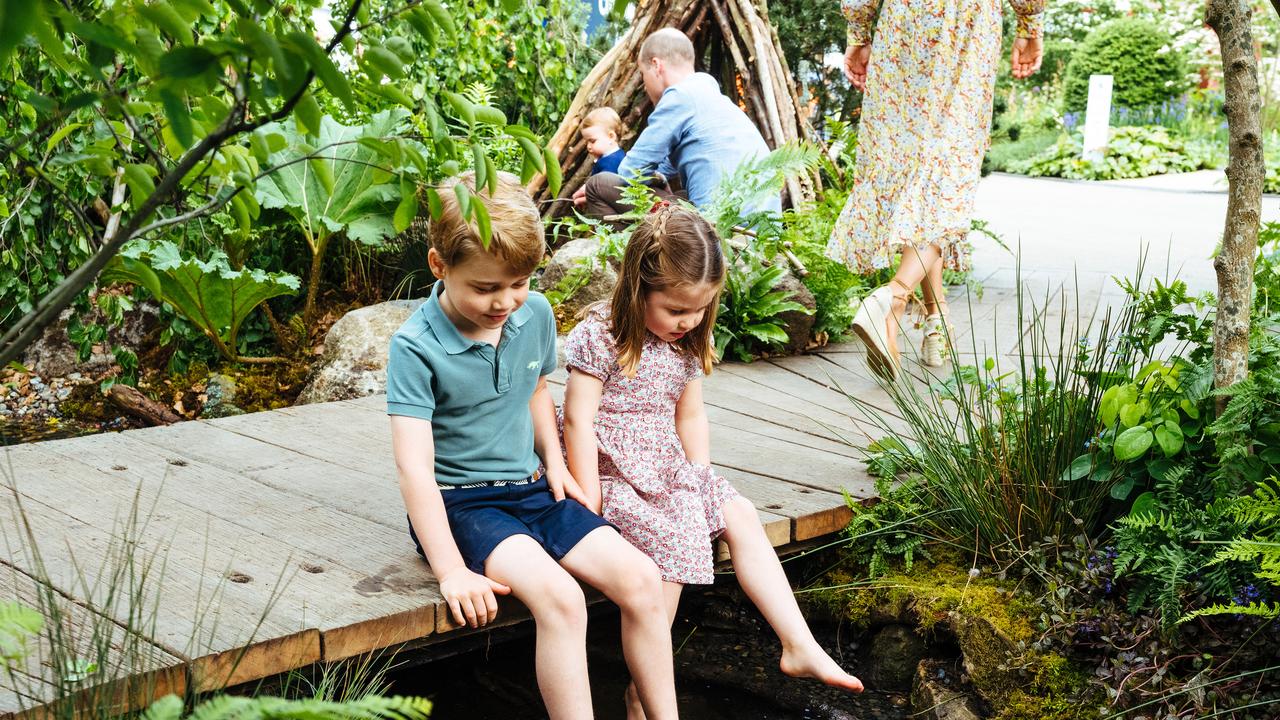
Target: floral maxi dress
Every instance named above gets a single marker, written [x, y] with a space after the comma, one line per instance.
[926, 121]
[665, 505]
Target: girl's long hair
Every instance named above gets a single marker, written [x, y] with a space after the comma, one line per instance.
[673, 247]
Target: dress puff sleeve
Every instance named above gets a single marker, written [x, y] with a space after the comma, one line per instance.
[590, 348]
[861, 14]
[1030, 14]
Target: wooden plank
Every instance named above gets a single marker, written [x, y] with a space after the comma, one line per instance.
[67, 501]
[324, 431]
[130, 669]
[809, 416]
[368, 493]
[811, 513]
[68, 504]
[373, 592]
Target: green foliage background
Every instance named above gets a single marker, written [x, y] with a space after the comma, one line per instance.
[1147, 68]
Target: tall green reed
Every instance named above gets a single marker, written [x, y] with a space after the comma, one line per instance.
[990, 441]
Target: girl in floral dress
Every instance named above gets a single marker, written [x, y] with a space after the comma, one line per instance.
[636, 434]
[929, 78]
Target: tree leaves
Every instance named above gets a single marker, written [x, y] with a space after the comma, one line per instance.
[319, 60]
[16, 20]
[184, 62]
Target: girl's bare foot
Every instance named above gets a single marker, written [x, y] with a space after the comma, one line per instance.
[814, 662]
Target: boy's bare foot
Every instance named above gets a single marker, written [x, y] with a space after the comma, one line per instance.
[635, 711]
[814, 662]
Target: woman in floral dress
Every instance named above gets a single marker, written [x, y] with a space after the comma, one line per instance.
[928, 80]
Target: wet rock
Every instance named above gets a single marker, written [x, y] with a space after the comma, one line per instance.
[578, 265]
[895, 652]
[53, 354]
[220, 396]
[355, 353]
[798, 325]
[932, 699]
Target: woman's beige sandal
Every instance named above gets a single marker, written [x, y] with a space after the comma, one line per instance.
[871, 325]
[938, 332]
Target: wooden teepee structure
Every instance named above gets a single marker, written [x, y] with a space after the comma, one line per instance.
[732, 40]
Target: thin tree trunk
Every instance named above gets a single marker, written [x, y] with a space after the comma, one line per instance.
[1245, 173]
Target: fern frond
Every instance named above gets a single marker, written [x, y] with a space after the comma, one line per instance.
[228, 707]
[1254, 609]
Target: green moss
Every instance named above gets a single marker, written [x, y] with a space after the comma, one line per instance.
[992, 621]
[1031, 706]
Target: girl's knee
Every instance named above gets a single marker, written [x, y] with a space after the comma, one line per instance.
[740, 512]
[639, 584]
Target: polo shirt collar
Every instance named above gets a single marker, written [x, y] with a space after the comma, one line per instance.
[447, 333]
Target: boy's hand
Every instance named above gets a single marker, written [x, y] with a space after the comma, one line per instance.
[471, 597]
[563, 485]
[580, 196]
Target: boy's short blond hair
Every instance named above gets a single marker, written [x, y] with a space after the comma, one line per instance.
[605, 117]
[516, 235]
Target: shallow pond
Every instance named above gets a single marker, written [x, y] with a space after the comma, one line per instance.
[726, 667]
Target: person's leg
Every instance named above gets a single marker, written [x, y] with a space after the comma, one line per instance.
[560, 614]
[935, 296]
[629, 578]
[762, 578]
[912, 271]
[671, 594]
[604, 196]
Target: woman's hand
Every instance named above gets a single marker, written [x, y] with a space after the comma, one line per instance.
[855, 65]
[1026, 57]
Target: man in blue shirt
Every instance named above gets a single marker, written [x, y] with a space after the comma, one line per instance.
[694, 133]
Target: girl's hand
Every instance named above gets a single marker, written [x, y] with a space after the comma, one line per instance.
[471, 597]
[1026, 57]
[855, 65]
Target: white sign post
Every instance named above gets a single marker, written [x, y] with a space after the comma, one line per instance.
[1097, 117]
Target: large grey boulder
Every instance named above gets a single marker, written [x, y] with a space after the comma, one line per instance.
[355, 353]
[578, 264]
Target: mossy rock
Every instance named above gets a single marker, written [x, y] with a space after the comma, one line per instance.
[992, 623]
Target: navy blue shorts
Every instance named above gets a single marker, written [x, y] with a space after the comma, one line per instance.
[483, 517]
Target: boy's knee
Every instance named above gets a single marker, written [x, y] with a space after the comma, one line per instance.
[562, 602]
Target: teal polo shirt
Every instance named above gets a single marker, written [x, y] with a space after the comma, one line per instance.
[475, 396]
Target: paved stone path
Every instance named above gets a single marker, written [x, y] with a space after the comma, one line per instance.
[1100, 229]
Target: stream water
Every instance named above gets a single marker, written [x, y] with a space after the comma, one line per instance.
[726, 667]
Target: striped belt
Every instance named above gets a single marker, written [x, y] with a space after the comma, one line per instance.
[535, 477]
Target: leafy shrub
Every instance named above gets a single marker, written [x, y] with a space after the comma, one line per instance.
[1132, 152]
[750, 308]
[1138, 54]
[886, 531]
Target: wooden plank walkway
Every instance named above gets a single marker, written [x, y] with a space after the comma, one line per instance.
[282, 535]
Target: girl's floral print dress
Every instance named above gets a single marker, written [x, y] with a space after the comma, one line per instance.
[926, 121]
[663, 504]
